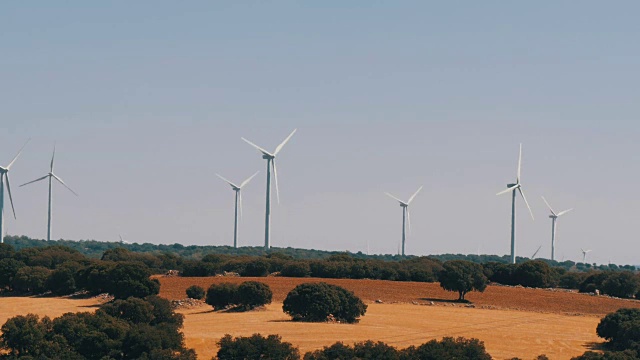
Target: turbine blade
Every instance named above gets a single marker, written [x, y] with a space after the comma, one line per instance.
[36, 180]
[249, 179]
[549, 206]
[275, 175]
[257, 147]
[18, 154]
[507, 190]
[65, 185]
[6, 176]
[279, 147]
[414, 195]
[564, 212]
[395, 198]
[227, 181]
[53, 156]
[519, 164]
[526, 202]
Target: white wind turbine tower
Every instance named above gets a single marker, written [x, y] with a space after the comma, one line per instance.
[406, 218]
[554, 217]
[4, 177]
[50, 176]
[271, 163]
[513, 188]
[237, 189]
[584, 254]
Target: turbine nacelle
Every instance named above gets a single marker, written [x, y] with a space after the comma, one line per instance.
[3, 170]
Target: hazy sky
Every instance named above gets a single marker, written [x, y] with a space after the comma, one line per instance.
[147, 101]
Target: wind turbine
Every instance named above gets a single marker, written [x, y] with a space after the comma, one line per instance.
[584, 254]
[4, 177]
[271, 163]
[237, 189]
[535, 253]
[406, 218]
[513, 188]
[50, 176]
[554, 217]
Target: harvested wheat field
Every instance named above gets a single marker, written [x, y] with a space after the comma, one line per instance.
[44, 306]
[512, 321]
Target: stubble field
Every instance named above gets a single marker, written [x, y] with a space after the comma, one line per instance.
[511, 321]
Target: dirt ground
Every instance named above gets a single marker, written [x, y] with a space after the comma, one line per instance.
[494, 297]
[506, 333]
[511, 321]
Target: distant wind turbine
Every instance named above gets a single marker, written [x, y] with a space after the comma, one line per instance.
[406, 218]
[535, 253]
[237, 189]
[50, 176]
[513, 188]
[271, 163]
[554, 217]
[584, 254]
[4, 177]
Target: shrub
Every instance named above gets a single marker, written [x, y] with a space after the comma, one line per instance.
[316, 301]
[195, 292]
[61, 281]
[252, 294]
[296, 269]
[449, 349]
[8, 270]
[222, 295]
[255, 268]
[534, 273]
[256, 347]
[462, 276]
[130, 279]
[621, 328]
[31, 279]
[622, 284]
[571, 280]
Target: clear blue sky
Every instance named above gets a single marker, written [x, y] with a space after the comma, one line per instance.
[147, 100]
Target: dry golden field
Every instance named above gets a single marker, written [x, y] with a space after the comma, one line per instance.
[511, 321]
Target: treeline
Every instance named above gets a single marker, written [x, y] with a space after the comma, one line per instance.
[123, 329]
[96, 249]
[123, 273]
[62, 271]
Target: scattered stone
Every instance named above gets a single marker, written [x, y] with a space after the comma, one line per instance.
[187, 303]
[172, 273]
[378, 301]
[230, 273]
[431, 303]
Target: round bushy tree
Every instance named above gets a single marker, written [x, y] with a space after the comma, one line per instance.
[221, 295]
[316, 301]
[622, 284]
[621, 328]
[296, 269]
[462, 276]
[195, 292]
[31, 279]
[252, 294]
[534, 273]
[256, 347]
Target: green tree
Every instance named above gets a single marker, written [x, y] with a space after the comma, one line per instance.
[462, 276]
[622, 284]
[316, 301]
[195, 292]
[31, 279]
[534, 273]
[8, 270]
[449, 349]
[621, 329]
[222, 295]
[252, 294]
[256, 347]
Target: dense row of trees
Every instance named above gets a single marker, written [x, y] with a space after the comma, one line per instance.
[63, 271]
[96, 249]
[123, 329]
[272, 347]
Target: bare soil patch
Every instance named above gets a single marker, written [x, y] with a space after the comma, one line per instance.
[494, 297]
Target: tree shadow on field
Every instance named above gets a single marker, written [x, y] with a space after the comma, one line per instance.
[206, 311]
[595, 346]
[448, 301]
